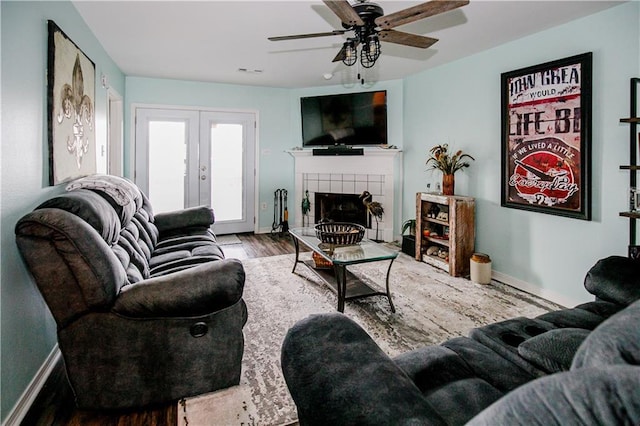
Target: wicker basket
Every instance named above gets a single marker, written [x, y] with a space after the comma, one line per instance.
[339, 233]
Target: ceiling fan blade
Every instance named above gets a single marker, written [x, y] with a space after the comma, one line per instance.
[341, 54]
[345, 12]
[421, 11]
[400, 37]
[310, 35]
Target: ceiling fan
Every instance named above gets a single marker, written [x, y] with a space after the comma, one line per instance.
[370, 26]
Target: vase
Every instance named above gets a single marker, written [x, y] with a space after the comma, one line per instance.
[448, 184]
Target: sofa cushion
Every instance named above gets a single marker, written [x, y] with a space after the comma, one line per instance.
[91, 208]
[184, 242]
[615, 341]
[442, 375]
[602, 396]
[137, 267]
[196, 291]
[553, 351]
[148, 230]
[171, 259]
[488, 365]
[200, 216]
[573, 318]
[504, 337]
[460, 400]
[431, 367]
[123, 195]
[600, 307]
[615, 279]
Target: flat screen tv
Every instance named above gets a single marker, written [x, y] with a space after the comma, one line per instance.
[345, 119]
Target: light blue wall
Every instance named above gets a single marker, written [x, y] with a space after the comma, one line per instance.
[459, 103]
[27, 330]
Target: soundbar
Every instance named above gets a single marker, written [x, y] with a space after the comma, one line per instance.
[338, 151]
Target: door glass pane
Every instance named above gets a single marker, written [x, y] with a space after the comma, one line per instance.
[227, 171]
[167, 165]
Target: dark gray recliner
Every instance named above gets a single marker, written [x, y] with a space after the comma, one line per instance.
[147, 308]
[578, 366]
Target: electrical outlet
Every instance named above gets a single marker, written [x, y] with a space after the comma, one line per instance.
[263, 206]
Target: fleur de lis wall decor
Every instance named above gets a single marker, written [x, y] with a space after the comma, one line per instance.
[78, 107]
[71, 109]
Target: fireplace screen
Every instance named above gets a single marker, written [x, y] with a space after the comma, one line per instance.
[340, 208]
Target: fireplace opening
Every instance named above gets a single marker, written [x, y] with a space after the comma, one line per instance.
[340, 208]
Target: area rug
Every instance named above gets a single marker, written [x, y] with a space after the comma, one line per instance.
[228, 240]
[430, 306]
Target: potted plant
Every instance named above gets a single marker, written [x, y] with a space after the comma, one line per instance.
[409, 224]
[440, 159]
[409, 241]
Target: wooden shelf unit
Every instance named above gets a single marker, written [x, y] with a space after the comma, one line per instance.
[634, 140]
[455, 235]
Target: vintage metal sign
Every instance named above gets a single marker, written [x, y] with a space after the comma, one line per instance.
[546, 132]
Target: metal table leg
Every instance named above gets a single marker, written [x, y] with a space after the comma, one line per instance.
[393, 308]
[341, 281]
[297, 246]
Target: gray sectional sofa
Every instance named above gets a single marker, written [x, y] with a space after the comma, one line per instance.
[147, 308]
[578, 366]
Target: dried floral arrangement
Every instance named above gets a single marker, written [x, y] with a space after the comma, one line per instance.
[440, 159]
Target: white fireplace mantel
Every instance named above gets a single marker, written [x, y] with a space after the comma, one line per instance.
[378, 171]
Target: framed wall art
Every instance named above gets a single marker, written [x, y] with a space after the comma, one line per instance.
[546, 137]
[70, 108]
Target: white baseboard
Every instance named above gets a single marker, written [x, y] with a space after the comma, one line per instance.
[535, 290]
[22, 406]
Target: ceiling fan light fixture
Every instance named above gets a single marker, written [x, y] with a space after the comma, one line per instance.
[366, 60]
[350, 53]
[372, 48]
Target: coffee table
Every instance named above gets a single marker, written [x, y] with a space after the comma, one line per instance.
[346, 284]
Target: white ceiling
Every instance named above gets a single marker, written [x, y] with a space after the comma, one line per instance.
[210, 40]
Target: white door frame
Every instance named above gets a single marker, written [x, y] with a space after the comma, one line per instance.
[115, 133]
[256, 165]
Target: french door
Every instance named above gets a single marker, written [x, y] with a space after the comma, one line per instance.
[186, 158]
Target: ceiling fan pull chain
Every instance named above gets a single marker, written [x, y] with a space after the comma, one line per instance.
[360, 76]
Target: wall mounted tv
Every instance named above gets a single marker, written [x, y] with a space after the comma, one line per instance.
[352, 119]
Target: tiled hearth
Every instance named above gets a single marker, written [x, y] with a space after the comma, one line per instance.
[377, 171]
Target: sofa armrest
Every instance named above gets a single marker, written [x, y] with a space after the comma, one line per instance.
[615, 279]
[200, 216]
[196, 291]
[336, 374]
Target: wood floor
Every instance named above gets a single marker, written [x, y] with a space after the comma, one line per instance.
[55, 406]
